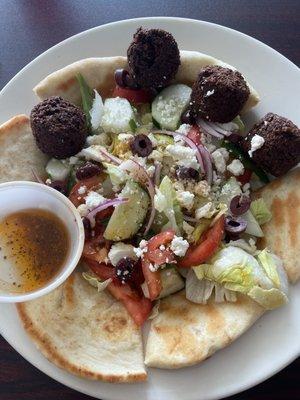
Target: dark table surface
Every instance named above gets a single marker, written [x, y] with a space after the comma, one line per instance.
[29, 27]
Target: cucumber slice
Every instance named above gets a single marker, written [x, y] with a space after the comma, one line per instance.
[169, 104]
[171, 282]
[127, 218]
[57, 170]
[117, 115]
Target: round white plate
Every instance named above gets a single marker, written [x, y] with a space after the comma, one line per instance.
[273, 342]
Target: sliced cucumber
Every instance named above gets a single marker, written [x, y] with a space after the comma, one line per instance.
[169, 104]
[127, 218]
[57, 170]
[171, 282]
[117, 115]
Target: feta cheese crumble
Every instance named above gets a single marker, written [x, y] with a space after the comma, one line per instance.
[205, 211]
[82, 190]
[83, 210]
[219, 161]
[185, 199]
[184, 156]
[121, 250]
[141, 250]
[256, 143]
[179, 246]
[236, 167]
[93, 200]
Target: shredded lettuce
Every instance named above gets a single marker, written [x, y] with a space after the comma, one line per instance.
[94, 281]
[260, 211]
[165, 202]
[262, 278]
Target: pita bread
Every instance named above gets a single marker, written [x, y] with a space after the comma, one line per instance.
[99, 74]
[85, 332]
[184, 333]
[18, 151]
[282, 232]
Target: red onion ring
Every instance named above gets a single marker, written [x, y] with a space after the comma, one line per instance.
[113, 202]
[207, 163]
[110, 157]
[189, 142]
[140, 174]
[157, 172]
[36, 176]
[219, 129]
[208, 129]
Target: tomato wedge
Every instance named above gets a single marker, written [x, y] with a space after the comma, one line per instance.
[157, 255]
[152, 279]
[89, 183]
[96, 249]
[195, 134]
[200, 253]
[134, 96]
[138, 306]
[245, 177]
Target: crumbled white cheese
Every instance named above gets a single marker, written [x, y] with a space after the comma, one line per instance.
[179, 246]
[236, 167]
[83, 210]
[224, 153]
[162, 247]
[141, 250]
[156, 155]
[82, 190]
[153, 140]
[202, 189]
[160, 201]
[121, 250]
[219, 161]
[93, 153]
[140, 160]
[151, 170]
[73, 160]
[185, 199]
[93, 200]
[184, 156]
[205, 211]
[246, 189]
[209, 93]
[125, 137]
[188, 229]
[257, 142]
[101, 139]
[184, 128]
[48, 181]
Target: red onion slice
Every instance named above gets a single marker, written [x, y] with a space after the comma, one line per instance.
[208, 129]
[219, 128]
[189, 219]
[157, 172]
[36, 176]
[207, 163]
[113, 202]
[110, 157]
[189, 142]
[140, 174]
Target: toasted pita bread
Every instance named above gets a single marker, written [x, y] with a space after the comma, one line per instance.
[282, 232]
[99, 74]
[18, 151]
[85, 332]
[184, 333]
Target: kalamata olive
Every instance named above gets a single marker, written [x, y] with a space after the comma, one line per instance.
[124, 79]
[87, 171]
[240, 204]
[124, 269]
[235, 225]
[60, 186]
[87, 227]
[187, 173]
[235, 138]
[141, 145]
[187, 118]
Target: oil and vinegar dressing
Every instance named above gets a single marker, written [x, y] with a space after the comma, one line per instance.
[34, 245]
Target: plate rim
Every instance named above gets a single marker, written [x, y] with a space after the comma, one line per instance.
[15, 345]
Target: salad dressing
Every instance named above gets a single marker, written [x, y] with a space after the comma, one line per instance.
[34, 245]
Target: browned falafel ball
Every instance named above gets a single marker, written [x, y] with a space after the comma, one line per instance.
[218, 94]
[281, 148]
[58, 127]
[153, 58]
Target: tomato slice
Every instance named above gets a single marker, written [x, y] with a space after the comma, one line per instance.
[155, 254]
[138, 306]
[89, 183]
[203, 251]
[245, 177]
[134, 96]
[152, 279]
[96, 249]
[195, 134]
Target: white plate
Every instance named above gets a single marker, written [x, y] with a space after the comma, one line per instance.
[274, 340]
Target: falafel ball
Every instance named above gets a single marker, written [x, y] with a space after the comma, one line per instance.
[153, 58]
[281, 148]
[218, 94]
[58, 127]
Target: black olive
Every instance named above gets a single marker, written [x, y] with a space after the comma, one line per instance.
[60, 186]
[187, 118]
[187, 173]
[124, 269]
[240, 204]
[87, 171]
[124, 79]
[141, 145]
